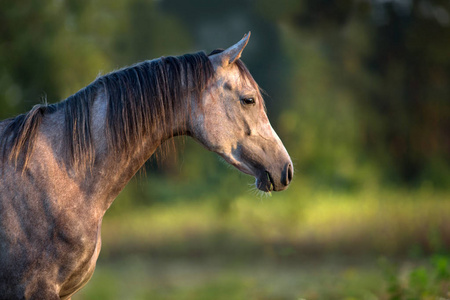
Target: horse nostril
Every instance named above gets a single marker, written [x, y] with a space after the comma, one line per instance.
[289, 173]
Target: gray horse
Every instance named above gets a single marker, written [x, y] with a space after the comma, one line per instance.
[62, 165]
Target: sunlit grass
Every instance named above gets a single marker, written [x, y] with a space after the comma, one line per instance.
[301, 244]
[390, 223]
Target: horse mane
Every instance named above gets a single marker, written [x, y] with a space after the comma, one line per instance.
[139, 98]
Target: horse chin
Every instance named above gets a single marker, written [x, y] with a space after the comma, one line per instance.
[264, 182]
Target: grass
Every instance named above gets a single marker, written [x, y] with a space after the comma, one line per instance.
[370, 222]
[223, 279]
[137, 277]
[300, 245]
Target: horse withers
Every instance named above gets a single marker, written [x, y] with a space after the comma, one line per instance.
[62, 165]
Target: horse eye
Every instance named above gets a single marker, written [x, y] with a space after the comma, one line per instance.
[248, 101]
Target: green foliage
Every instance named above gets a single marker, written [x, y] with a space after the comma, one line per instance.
[426, 281]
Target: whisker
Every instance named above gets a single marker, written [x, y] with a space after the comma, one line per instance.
[227, 164]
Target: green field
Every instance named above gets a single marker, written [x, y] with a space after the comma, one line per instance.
[321, 245]
[135, 277]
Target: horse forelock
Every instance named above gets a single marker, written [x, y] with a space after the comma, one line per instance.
[140, 98]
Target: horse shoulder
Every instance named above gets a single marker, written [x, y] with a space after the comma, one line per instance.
[49, 240]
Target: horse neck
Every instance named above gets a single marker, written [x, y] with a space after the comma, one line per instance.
[114, 125]
[114, 168]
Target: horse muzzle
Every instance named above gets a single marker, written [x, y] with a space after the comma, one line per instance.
[275, 180]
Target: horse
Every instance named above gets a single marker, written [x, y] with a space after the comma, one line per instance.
[63, 164]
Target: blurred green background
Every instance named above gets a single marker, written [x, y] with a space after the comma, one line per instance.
[358, 90]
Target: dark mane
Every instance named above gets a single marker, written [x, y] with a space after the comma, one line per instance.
[140, 97]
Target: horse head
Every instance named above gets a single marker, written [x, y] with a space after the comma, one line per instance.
[230, 119]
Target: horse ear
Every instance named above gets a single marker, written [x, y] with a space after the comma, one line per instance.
[232, 54]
